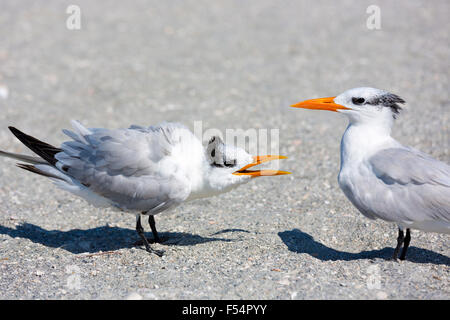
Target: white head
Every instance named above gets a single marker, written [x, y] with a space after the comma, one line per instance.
[228, 166]
[361, 105]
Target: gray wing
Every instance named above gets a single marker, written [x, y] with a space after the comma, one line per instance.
[133, 168]
[417, 185]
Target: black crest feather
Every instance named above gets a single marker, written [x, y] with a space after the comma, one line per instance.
[388, 100]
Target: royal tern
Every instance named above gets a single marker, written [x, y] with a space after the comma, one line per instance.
[382, 178]
[144, 170]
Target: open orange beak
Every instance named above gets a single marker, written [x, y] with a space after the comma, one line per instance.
[320, 104]
[257, 173]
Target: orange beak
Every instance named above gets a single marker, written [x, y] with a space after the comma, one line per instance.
[320, 104]
[257, 173]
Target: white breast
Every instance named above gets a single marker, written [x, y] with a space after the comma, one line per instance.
[356, 178]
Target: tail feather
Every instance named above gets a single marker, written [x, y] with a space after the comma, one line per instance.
[45, 165]
[22, 157]
[42, 149]
[33, 169]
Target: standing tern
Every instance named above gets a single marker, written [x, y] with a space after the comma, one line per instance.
[382, 178]
[144, 170]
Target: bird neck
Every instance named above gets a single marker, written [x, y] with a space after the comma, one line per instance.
[213, 182]
[362, 139]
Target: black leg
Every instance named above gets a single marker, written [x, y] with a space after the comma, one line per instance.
[400, 240]
[151, 222]
[141, 234]
[405, 244]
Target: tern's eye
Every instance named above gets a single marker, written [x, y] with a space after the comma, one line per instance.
[219, 165]
[230, 163]
[358, 100]
[213, 153]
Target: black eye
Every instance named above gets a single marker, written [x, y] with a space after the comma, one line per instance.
[218, 165]
[230, 163]
[213, 153]
[358, 100]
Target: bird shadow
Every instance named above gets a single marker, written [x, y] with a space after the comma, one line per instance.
[230, 230]
[301, 242]
[93, 240]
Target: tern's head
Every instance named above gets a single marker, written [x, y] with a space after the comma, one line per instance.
[229, 166]
[360, 105]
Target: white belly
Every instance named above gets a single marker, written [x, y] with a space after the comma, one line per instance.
[428, 226]
[393, 203]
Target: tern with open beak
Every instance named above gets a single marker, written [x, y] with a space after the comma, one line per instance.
[382, 178]
[144, 170]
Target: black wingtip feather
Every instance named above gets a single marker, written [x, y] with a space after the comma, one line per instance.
[42, 149]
